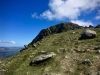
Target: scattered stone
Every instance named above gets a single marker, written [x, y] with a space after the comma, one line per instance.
[47, 69]
[43, 52]
[42, 58]
[73, 32]
[66, 57]
[96, 48]
[98, 72]
[98, 51]
[63, 49]
[25, 46]
[87, 62]
[88, 34]
[96, 57]
[2, 71]
[34, 45]
[88, 50]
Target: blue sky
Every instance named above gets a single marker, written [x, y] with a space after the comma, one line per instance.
[21, 20]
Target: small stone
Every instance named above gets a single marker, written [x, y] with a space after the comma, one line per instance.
[34, 45]
[98, 72]
[96, 57]
[43, 52]
[87, 62]
[98, 51]
[73, 32]
[25, 46]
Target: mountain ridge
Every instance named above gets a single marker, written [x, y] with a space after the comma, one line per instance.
[58, 28]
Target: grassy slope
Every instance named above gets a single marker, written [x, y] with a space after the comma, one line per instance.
[70, 51]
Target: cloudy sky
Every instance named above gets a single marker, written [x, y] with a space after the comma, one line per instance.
[21, 20]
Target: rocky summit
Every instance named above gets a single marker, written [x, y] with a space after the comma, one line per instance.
[62, 27]
[58, 50]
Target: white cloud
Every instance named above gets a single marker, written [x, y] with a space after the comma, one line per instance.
[12, 42]
[34, 15]
[70, 9]
[82, 22]
[98, 16]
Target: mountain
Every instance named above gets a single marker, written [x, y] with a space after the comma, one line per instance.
[63, 53]
[62, 27]
[7, 52]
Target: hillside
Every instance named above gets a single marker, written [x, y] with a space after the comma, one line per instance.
[71, 55]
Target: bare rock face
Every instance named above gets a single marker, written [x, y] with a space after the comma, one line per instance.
[88, 34]
[42, 58]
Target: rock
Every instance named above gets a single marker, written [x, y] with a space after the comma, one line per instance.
[87, 62]
[98, 51]
[34, 45]
[42, 58]
[98, 26]
[25, 46]
[88, 34]
[90, 26]
[73, 32]
[2, 71]
[42, 52]
[98, 72]
[96, 57]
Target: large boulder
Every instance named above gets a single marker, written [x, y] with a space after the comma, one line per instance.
[88, 34]
[42, 58]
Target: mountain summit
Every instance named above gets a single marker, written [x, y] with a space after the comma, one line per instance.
[62, 27]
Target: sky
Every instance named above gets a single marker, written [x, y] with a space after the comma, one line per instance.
[22, 20]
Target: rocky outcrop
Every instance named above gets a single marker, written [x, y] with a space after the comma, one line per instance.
[55, 29]
[98, 26]
[90, 26]
[42, 58]
[88, 34]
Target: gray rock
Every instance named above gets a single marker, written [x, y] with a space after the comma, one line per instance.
[2, 71]
[88, 34]
[98, 72]
[98, 26]
[34, 45]
[87, 62]
[25, 46]
[42, 58]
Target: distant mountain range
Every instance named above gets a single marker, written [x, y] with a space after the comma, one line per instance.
[7, 52]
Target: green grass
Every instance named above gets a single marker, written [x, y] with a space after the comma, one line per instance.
[65, 44]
